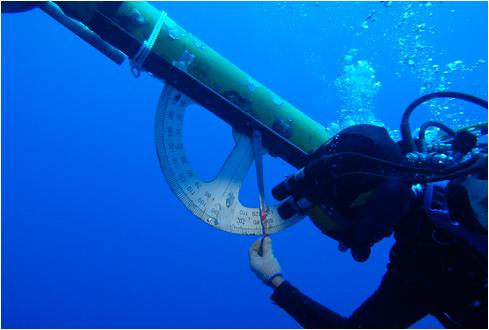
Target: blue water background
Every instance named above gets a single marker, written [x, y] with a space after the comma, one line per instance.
[92, 235]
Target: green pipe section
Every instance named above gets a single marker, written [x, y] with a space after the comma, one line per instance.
[186, 52]
[189, 54]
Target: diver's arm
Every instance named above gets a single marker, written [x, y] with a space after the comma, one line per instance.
[307, 312]
[397, 303]
[18, 6]
[275, 283]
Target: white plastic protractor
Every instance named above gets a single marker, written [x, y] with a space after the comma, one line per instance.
[216, 202]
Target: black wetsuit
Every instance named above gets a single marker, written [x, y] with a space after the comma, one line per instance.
[441, 276]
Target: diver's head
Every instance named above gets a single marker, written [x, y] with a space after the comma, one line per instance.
[350, 172]
[358, 184]
[358, 208]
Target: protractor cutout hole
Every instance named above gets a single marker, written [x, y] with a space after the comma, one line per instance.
[275, 170]
[208, 141]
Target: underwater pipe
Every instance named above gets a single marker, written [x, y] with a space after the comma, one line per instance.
[189, 65]
[179, 59]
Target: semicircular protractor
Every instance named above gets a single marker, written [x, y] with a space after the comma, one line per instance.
[216, 202]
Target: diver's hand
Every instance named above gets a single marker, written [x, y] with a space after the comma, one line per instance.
[265, 265]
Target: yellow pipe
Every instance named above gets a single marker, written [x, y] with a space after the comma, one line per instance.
[185, 51]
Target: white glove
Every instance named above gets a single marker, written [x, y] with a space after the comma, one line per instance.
[265, 266]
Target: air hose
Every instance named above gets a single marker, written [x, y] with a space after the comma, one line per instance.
[406, 135]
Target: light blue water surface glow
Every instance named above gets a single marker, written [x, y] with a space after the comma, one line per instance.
[92, 235]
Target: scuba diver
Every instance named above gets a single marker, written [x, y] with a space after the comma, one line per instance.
[432, 197]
